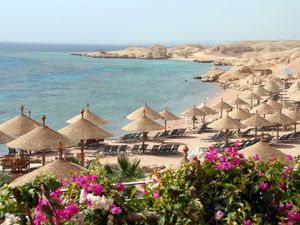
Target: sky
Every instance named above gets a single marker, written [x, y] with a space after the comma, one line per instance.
[147, 21]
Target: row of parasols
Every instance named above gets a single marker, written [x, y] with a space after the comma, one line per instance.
[22, 132]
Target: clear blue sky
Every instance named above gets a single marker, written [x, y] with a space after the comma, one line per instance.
[147, 21]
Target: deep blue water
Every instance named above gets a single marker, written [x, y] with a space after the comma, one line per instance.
[58, 85]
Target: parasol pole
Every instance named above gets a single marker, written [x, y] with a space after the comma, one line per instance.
[82, 144]
[43, 151]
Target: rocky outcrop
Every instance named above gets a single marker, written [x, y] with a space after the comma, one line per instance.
[211, 75]
[156, 52]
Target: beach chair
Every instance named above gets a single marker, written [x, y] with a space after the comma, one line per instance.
[168, 149]
[12, 151]
[114, 149]
[175, 148]
[154, 149]
[173, 133]
[21, 164]
[122, 148]
[106, 149]
[8, 163]
[161, 149]
[143, 148]
[164, 134]
[245, 133]
[135, 148]
[157, 135]
[181, 132]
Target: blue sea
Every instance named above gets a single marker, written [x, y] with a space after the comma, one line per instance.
[48, 80]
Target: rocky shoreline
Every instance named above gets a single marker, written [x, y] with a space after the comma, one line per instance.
[247, 58]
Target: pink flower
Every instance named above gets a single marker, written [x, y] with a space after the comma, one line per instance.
[155, 181]
[263, 185]
[97, 188]
[247, 222]
[260, 174]
[219, 215]
[223, 166]
[290, 157]
[196, 159]
[120, 186]
[288, 171]
[156, 194]
[71, 209]
[288, 205]
[255, 158]
[115, 210]
[235, 162]
[241, 156]
[73, 179]
[211, 155]
[237, 143]
[282, 186]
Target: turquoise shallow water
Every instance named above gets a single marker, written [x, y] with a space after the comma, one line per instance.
[58, 85]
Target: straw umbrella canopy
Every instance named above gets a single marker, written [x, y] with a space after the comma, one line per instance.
[260, 91]
[263, 109]
[83, 130]
[274, 104]
[272, 87]
[227, 123]
[279, 118]
[193, 112]
[207, 110]
[4, 138]
[150, 113]
[294, 115]
[167, 115]
[222, 105]
[295, 96]
[88, 115]
[238, 102]
[143, 124]
[59, 168]
[251, 96]
[255, 121]
[264, 151]
[40, 139]
[239, 114]
[286, 104]
[19, 125]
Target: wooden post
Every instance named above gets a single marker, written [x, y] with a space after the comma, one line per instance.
[277, 131]
[43, 158]
[82, 153]
[165, 125]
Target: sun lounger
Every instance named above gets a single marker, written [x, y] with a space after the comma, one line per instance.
[114, 149]
[106, 149]
[135, 148]
[154, 149]
[157, 135]
[122, 148]
[161, 149]
[175, 148]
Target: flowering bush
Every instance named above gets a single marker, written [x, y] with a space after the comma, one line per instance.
[226, 188]
[222, 188]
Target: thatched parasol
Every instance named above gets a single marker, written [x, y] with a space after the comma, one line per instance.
[255, 121]
[227, 123]
[150, 113]
[41, 139]
[143, 124]
[83, 130]
[286, 104]
[251, 96]
[264, 151]
[88, 115]
[59, 168]
[260, 91]
[207, 110]
[272, 87]
[295, 96]
[263, 109]
[275, 105]
[167, 115]
[193, 112]
[19, 125]
[4, 138]
[238, 102]
[239, 114]
[222, 105]
[294, 115]
[279, 118]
